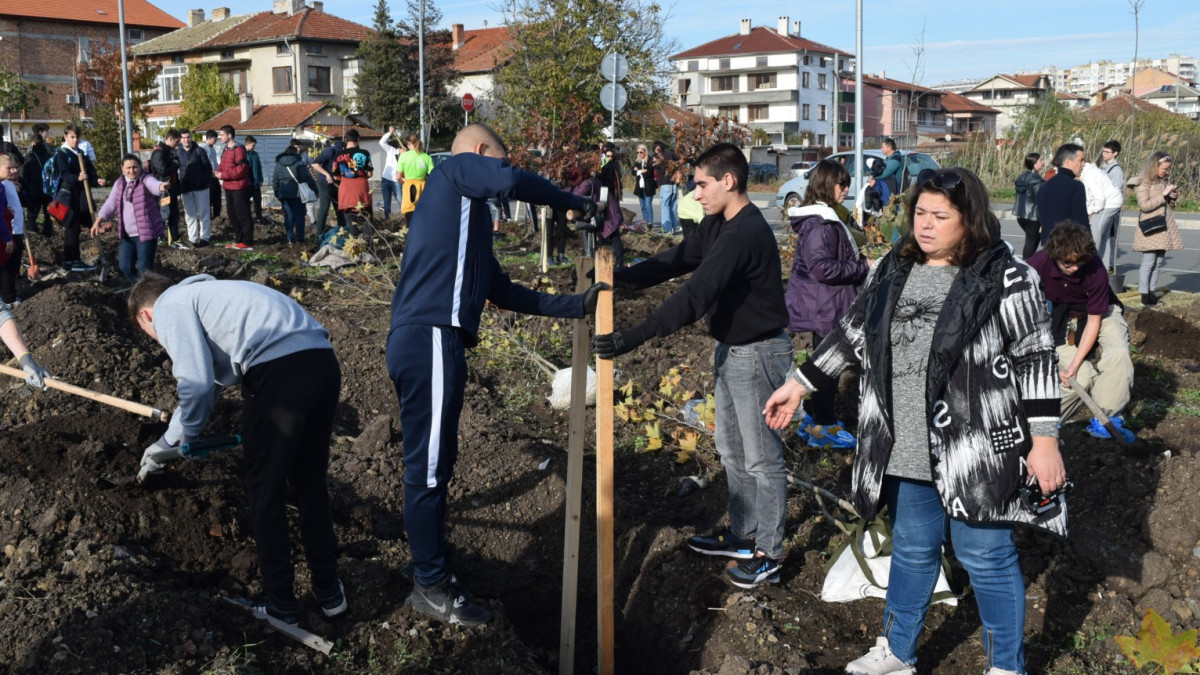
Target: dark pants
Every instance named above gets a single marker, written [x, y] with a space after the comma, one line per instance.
[214, 199]
[133, 252]
[617, 245]
[293, 219]
[328, 194]
[172, 217]
[428, 366]
[559, 233]
[256, 201]
[237, 203]
[37, 205]
[822, 404]
[1033, 236]
[77, 219]
[286, 424]
[11, 270]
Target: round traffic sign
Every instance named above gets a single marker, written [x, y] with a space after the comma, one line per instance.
[468, 102]
[614, 66]
[613, 98]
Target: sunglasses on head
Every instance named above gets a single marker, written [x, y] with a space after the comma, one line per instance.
[946, 181]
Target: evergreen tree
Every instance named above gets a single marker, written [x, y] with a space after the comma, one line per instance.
[105, 136]
[384, 87]
[205, 95]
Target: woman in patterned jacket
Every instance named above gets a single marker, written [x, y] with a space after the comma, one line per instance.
[959, 407]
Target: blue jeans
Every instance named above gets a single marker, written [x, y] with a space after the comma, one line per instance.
[133, 252]
[752, 454]
[986, 550]
[668, 199]
[390, 189]
[647, 202]
[293, 219]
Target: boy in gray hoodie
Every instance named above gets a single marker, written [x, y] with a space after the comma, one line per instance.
[222, 333]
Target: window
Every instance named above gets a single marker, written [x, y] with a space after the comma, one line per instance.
[760, 62]
[730, 111]
[282, 79]
[805, 80]
[821, 140]
[693, 66]
[805, 113]
[685, 87]
[807, 60]
[764, 81]
[85, 50]
[841, 64]
[168, 84]
[724, 83]
[178, 58]
[723, 64]
[227, 55]
[821, 116]
[135, 35]
[755, 113]
[822, 81]
[235, 77]
[314, 48]
[282, 48]
[318, 80]
[349, 72]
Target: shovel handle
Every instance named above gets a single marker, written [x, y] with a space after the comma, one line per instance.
[130, 406]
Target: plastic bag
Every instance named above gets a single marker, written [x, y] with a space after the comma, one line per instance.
[861, 569]
[560, 391]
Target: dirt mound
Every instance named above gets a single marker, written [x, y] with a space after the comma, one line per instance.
[101, 575]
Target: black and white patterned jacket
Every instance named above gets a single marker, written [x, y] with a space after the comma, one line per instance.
[992, 371]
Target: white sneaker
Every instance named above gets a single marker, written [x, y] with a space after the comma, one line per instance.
[879, 661]
[997, 671]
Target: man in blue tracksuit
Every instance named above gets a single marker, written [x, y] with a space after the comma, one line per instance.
[449, 272]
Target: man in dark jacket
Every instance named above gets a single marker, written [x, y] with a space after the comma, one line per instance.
[327, 188]
[36, 200]
[164, 165]
[736, 282]
[77, 175]
[195, 176]
[234, 169]
[1063, 197]
[214, 158]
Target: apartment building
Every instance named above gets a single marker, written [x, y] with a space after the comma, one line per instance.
[1011, 95]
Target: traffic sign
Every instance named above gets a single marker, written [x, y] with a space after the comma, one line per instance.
[613, 97]
[614, 66]
[468, 102]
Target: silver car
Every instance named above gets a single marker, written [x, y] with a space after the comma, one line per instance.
[792, 192]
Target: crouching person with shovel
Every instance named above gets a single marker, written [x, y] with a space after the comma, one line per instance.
[222, 333]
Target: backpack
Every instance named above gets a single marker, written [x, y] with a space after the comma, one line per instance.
[50, 177]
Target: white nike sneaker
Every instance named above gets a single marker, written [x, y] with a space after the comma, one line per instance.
[879, 661]
[446, 602]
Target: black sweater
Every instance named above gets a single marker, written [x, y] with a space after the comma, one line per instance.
[737, 281]
[1061, 198]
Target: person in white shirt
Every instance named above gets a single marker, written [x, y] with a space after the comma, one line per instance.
[85, 146]
[390, 185]
[1104, 211]
[11, 269]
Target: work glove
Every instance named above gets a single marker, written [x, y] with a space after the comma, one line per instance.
[36, 375]
[588, 211]
[157, 456]
[617, 343]
[592, 295]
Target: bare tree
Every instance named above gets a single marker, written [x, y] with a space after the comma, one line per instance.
[1137, 8]
[916, 74]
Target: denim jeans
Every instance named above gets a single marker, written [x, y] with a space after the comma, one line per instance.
[293, 219]
[986, 550]
[1104, 230]
[668, 199]
[1152, 262]
[133, 252]
[647, 202]
[390, 189]
[752, 454]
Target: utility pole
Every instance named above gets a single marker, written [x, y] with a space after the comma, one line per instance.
[125, 77]
[421, 67]
[858, 99]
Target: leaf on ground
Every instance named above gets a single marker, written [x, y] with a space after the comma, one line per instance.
[1154, 643]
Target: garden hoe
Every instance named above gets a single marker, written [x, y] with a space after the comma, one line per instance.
[1097, 412]
[192, 450]
[136, 408]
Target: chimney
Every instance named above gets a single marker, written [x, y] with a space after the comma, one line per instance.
[745, 27]
[795, 29]
[195, 16]
[247, 105]
[288, 7]
[782, 27]
[456, 35]
[220, 14]
[318, 6]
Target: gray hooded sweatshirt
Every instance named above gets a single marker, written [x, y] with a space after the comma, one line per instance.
[214, 331]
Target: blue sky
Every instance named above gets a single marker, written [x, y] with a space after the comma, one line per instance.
[981, 38]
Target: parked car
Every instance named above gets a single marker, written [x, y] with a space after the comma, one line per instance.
[763, 172]
[792, 192]
[799, 168]
[438, 158]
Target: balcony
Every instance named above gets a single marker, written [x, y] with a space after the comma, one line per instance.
[748, 97]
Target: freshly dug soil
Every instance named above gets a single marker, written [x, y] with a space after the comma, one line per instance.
[103, 575]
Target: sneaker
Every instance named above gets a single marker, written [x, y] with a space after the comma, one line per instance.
[1000, 671]
[754, 571]
[1098, 430]
[830, 436]
[879, 661]
[203, 243]
[333, 602]
[241, 247]
[78, 266]
[445, 602]
[722, 542]
[232, 244]
[181, 245]
[287, 612]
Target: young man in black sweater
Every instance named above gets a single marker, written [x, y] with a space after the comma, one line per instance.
[736, 282]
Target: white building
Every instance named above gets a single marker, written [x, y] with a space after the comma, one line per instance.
[766, 78]
[1089, 78]
[1010, 94]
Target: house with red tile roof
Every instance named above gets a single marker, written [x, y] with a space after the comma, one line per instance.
[478, 54]
[967, 116]
[294, 53]
[43, 42]
[766, 78]
[907, 113]
[1011, 94]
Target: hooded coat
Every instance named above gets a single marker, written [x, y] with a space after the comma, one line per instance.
[827, 270]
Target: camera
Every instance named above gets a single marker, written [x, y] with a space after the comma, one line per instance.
[1040, 504]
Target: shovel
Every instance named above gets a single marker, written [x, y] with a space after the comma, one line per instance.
[136, 408]
[1096, 411]
[32, 272]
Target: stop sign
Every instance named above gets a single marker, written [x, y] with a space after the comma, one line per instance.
[468, 102]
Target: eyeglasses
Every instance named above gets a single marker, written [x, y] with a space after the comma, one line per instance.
[946, 181]
[844, 183]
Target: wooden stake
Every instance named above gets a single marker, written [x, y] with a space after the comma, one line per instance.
[545, 238]
[604, 472]
[574, 497]
[293, 631]
[136, 408]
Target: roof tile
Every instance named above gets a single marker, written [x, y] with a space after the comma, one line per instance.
[483, 50]
[1119, 106]
[761, 39]
[189, 37]
[955, 103]
[307, 23]
[137, 12]
[265, 117]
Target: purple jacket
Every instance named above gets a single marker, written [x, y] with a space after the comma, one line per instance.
[146, 210]
[827, 271]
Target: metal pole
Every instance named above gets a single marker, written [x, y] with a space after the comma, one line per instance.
[612, 128]
[858, 99]
[125, 77]
[421, 67]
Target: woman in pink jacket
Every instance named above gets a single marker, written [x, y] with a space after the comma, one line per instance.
[134, 203]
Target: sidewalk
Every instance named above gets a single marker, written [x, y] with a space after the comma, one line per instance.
[1185, 221]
